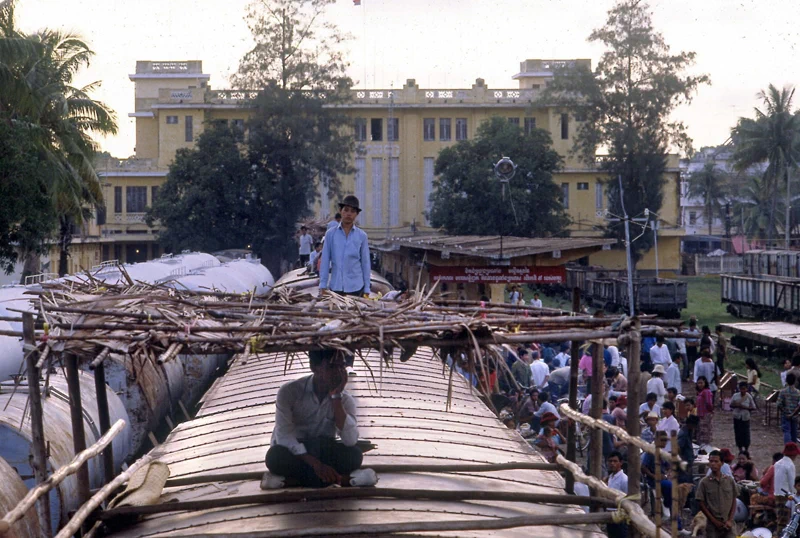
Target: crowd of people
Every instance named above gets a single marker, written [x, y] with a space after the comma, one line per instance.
[681, 380]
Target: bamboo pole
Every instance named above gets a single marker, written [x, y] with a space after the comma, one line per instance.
[378, 468]
[40, 490]
[307, 495]
[676, 510]
[638, 518]
[573, 390]
[76, 414]
[98, 361]
[634, 399]
[619, 432]
[383, 529]
[105, 419]
[596, 448]
[38, 448]
[96, 500]
[658, 497]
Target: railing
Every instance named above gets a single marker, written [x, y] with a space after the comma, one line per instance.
[715, 265]
[41, 277]
[129, 218]
[126, 165]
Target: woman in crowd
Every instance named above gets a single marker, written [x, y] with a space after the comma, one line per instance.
[705, 367]
[705, 411]
[744, 468]
[753, 377]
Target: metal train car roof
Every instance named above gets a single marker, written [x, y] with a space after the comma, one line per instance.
[302, 280]
[405, 415]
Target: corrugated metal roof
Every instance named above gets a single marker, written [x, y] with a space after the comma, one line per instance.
[405, 416]
[483, 246]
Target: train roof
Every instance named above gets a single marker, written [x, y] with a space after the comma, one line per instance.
[405, 415]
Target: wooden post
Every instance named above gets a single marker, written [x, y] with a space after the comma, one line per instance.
[575, 357]
[38, 447]
[634, 398]
[676, 510]
[105, 420]
[76, 414]
[596, 412]
[658, 497]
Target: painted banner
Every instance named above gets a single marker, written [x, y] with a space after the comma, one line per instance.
[496, 275]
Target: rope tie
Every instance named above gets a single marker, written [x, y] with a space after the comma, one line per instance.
[621, 516]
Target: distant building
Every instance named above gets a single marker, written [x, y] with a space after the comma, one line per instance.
[399, 133]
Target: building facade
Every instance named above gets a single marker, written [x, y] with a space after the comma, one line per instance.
[398, 132]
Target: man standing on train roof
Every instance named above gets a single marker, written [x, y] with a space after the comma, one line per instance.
[309, 412]
[345, 267]
[306, 245]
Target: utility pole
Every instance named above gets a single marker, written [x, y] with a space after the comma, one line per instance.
[788, 219]
[655, 239]
[626, 221]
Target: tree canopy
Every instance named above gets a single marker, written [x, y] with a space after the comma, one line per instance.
[710, 184]
[296, 137]
[624, 107]
[468, 198]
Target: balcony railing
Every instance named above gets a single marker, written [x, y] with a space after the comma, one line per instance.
[129, 218]
[126, 165]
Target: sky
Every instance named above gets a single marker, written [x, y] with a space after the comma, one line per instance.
[742, 45]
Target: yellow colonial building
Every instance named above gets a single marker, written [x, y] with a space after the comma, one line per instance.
[399, 133]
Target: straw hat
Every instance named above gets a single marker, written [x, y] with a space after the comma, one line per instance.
[652, 414]
[659, 369]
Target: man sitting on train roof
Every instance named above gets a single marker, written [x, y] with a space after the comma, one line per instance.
[309, 412]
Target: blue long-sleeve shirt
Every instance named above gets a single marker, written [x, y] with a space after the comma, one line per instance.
[345, 264]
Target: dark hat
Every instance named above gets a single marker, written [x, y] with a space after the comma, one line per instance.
[351, 201]
[790, 449]
[726, 455]
[547, 417]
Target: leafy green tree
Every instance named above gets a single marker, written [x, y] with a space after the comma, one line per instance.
[753, 207]
[206, 203]
[772, 137]
[710, 184]
[468, 198]
[38, 96]
[624, 107]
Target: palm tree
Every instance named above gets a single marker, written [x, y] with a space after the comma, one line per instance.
[752, 209]
[773, 136]
[36, 75]
[709, 184]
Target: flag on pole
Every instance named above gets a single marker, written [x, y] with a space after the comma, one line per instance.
[356, 2]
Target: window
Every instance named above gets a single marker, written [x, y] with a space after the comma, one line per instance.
[530, 125]
[361, 178]
[565, 195]
[135, 199]
[172, 120]
[106, 252]
[361, 130]
[583, 186]
[564, 126]
[429, 129]
[598, 195]
[153, 194]
[461, 128]
[117, 199]
[428, 168]
[514, 121]
[692, 218]
[101, 215]
[394, 191]
[393, 129]
[444, 129]
[376, 129]
[189, 129]
[377, 191]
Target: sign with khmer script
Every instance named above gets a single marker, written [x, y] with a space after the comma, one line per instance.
[498, 275]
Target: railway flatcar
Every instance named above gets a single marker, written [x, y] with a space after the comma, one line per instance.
[402, 410]
[782, 263]
[763, 297]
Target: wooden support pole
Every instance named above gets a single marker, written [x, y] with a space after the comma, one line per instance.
[378, 468]
[97, 499]
[39, 492]
[102, 356]
[575, 357]
[634, 399]
[676, 510]
[38, 446]
[307, 495]
[640, 521]
[596, 412]
[76, 414]
[105, 419]
[658, 496]
[385, 529]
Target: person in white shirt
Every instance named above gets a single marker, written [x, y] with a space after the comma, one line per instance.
[337, 218]
[309, 412]
[306, 245]
[545, 406]
[673, 378]
[785, 471]
[787, 365]
[617, 480]
[614, 352]
[536, 301]
[563, 357]
[539, 370]
[659, 353]
[650, 405]
[656, 384]
[668, 423]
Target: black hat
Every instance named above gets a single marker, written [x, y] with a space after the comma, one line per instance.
[351, 201]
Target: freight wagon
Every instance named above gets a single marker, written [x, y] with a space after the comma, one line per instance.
[763, 297]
